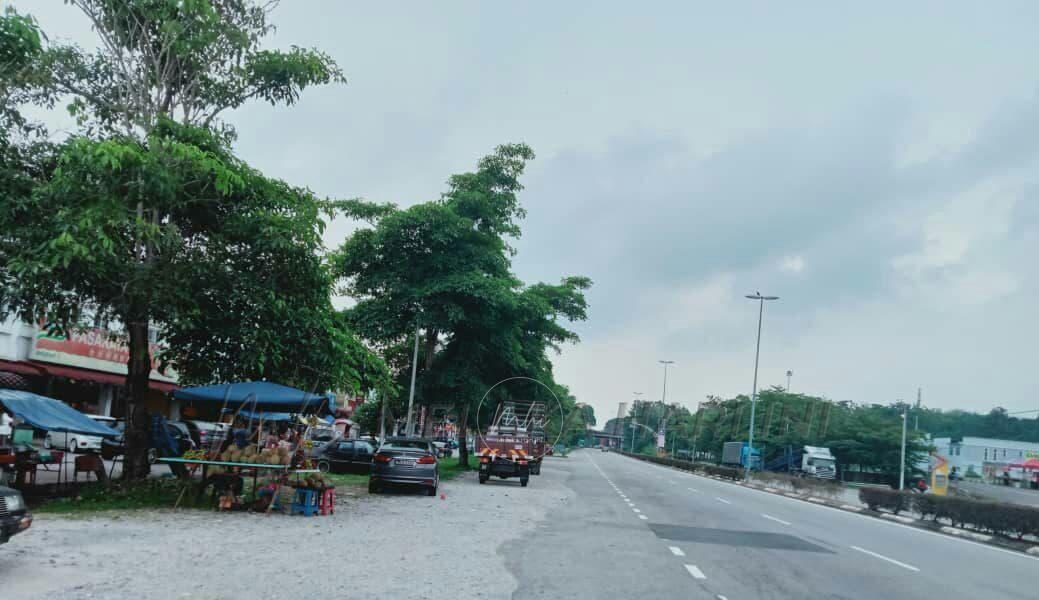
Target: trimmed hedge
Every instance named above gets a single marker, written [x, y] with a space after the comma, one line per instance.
[1009, 520]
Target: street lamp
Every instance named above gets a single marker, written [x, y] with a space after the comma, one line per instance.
[663, 400]
[634, 411]
[789, 374]
[902, 464]
[754, 391]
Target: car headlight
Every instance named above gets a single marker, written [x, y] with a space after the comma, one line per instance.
[15, 502]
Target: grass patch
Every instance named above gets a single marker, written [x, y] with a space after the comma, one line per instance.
[452, 467]
[347, 479]
[118, 495]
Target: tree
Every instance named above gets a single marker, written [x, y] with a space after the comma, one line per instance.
[116, 222]
[232, 242]
[444, 267]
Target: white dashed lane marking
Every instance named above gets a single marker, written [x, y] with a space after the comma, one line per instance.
[676, 551]
[695, 572]
[885, 558]
[643, 517]
[723, 500]
[694, 490]
[771, 518]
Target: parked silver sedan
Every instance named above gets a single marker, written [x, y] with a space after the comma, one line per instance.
[405, 461]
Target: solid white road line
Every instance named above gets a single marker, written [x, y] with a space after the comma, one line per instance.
[882, 557]
[643, 517]
[771, 518]
[695, 572]
[676, 551]
[722, 500]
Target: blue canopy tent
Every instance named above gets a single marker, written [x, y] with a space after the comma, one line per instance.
[50, 414]
[256, 415]
[260, 396]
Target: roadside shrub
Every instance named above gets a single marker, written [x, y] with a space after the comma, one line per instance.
[726, 472]
[1000, 519]
[892, 500]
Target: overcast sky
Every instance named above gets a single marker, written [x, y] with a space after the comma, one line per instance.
[873, 165]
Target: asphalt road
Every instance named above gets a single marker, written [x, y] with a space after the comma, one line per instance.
[638, 530]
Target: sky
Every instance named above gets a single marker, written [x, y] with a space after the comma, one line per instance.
[873, 165]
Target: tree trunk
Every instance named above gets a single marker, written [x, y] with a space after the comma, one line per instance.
[139, 366]
[429, 353]
[463, 445]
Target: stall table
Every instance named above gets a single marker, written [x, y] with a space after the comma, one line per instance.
[254, 467]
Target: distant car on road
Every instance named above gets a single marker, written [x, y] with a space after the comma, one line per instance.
[345, 456]
[78, 442]
[405, 461]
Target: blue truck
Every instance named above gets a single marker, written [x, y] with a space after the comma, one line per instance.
[738, 454]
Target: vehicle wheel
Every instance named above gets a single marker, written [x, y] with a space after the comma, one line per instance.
[536, 470]
[47, 442]
[484, 477]
[523, 481]
[153, 455]
[373, 488]
[323, 466]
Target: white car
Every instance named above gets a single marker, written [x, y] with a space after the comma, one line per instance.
[77, 442]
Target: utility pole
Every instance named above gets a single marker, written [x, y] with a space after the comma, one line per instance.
[789, 374]
[411, 394]
[902, 465]
[754, 390]
[382, 420]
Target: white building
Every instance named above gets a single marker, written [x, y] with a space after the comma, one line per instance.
[973, 453]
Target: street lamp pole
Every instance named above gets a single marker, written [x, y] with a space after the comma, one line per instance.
[754, 391]
[634, 411]
[902, 464]
[789, 374]
[663, 401]
[411, 394]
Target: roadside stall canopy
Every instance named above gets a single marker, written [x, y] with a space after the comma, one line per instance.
[1031, 464]
[256, 415]
[50, 414]
[260, 395]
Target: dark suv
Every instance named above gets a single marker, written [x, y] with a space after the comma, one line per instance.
[205, 434]
[14, 515]
[111, 448]
[345, 456]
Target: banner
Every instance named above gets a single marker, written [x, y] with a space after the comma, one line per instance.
[95, 349]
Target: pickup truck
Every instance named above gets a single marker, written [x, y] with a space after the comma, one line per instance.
[14, 515]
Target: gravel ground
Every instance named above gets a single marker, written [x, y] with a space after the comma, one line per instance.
[386, 546]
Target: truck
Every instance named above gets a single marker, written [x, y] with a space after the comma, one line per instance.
[808, 461]
[514, 442]
[738, 454]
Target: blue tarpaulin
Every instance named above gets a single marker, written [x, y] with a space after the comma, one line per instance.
[257, 415]
[50, 414]
[258, 395]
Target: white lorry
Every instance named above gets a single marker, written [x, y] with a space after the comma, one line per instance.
[818, 462]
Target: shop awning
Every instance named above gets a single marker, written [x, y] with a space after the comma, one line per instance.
[36, 368]
[258, 395]
[50, 414]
